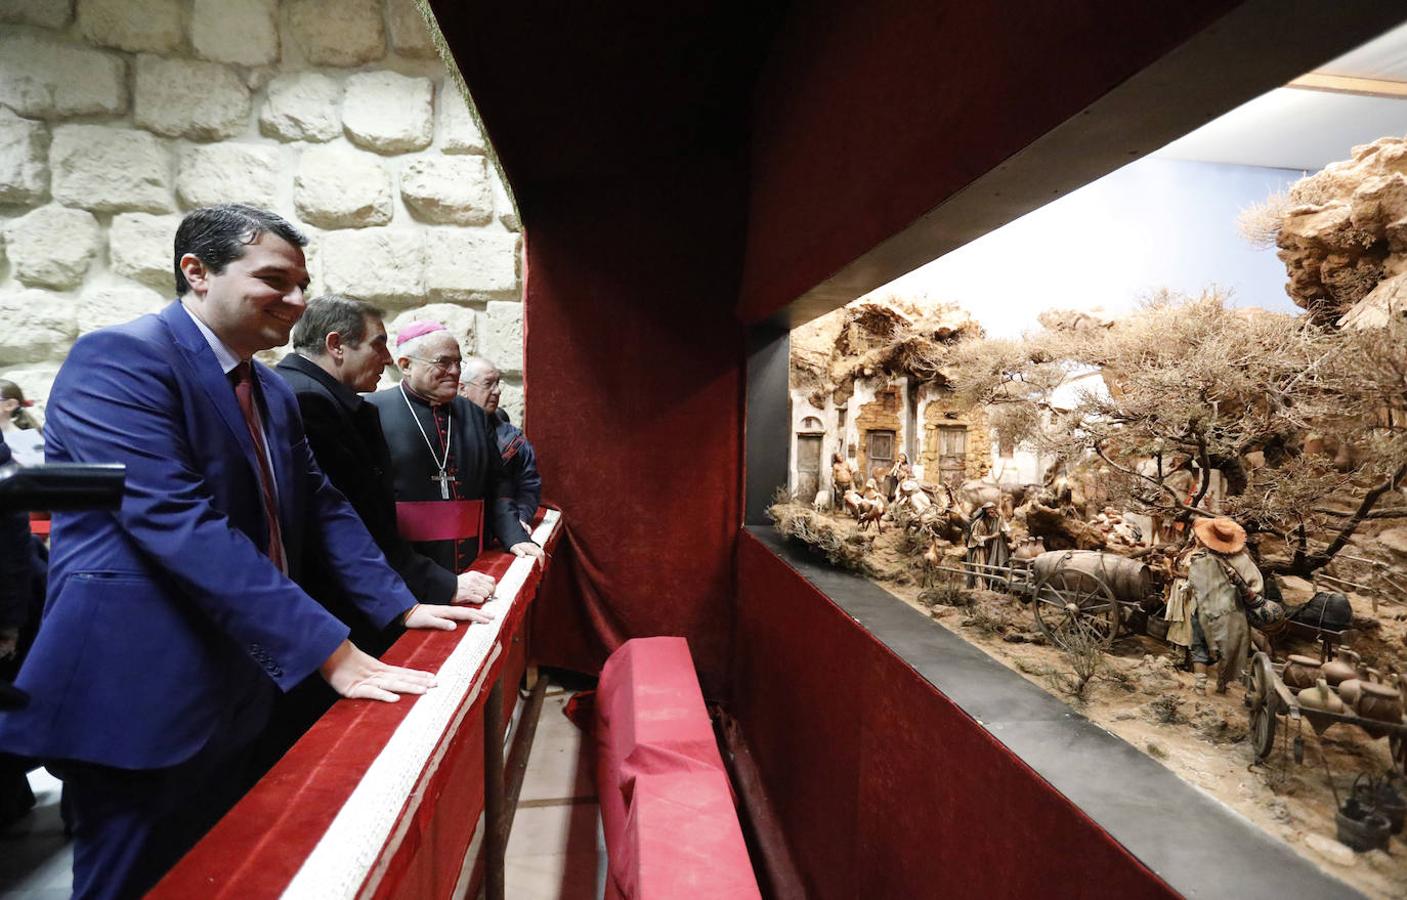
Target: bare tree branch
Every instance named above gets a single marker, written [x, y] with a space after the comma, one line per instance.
[1320, 559]
[1373, 514]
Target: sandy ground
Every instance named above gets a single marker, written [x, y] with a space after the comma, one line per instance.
[1139, 695]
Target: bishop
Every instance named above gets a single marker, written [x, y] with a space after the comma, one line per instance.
[442, 446]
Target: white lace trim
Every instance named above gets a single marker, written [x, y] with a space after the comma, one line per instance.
[350, 857]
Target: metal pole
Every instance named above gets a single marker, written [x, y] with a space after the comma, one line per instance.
[494, 842]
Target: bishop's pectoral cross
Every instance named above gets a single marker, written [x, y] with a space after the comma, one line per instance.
[443, 478]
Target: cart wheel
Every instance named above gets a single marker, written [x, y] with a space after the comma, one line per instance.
[1260, 698]
[1299, 749]
[1072, 606]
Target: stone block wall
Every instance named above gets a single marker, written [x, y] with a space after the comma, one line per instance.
[117, 116]
[939, 410]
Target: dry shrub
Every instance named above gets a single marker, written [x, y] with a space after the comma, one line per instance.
[1165, 710]
[840, 546]
[1259, 223]
[984, 620]
[1214, 727]
[945, 592]
[1084, 659]
[1194, 380]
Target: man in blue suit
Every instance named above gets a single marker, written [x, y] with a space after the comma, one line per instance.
[171, 624]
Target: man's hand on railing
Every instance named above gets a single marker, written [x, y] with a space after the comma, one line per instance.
[526, 548]
[443, 618]
[474, 587]
[360, 676]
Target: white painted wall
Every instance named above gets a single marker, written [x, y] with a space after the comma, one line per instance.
[837, 439]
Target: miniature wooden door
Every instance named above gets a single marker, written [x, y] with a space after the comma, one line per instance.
[880, 454]
[952, 454]
[808, 466]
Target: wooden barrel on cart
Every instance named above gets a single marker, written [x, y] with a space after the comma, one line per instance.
[1129, 579]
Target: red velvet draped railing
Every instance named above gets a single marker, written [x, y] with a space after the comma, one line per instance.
[365, 760]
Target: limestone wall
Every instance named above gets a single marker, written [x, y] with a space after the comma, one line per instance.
[116, 116]
[938, 410]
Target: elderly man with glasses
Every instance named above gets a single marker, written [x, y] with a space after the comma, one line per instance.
[482, 384]
[442, 446]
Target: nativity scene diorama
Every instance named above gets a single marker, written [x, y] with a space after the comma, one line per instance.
[1189, 521]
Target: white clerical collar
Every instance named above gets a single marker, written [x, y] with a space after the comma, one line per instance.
[227, 359]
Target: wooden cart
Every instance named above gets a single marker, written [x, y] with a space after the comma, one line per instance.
[1269, 700]
[1067, 602]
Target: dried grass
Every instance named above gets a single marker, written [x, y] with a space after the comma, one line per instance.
[984, 619]
[945, 592]
[841, 546]
[1259, 223]
[1165, 710]
[1084, 658]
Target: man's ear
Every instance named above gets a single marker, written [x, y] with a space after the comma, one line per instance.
[196, 273]
[403, 363]
[332, 343]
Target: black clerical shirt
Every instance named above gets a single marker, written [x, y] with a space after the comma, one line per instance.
[474, 465]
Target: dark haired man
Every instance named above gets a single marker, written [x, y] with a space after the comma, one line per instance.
[339, 351]
[171, 626]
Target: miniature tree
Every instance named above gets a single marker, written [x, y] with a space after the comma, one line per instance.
[1194, 385]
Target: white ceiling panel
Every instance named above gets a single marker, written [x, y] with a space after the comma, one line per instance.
[1293, 129]
[1384, 58]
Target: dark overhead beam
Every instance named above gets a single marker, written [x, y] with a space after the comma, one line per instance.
[1260, 45]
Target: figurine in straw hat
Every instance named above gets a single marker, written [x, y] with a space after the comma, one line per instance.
[1209, 605]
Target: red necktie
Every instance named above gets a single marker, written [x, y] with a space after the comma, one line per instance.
[243, 376]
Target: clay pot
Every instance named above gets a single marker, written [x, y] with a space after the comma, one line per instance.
[1350, 690]
[1381, 703]
[1320, 699]
[1301, 672]
[1341, 668]
[1029, 549]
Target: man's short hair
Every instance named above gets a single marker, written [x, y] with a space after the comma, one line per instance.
[474, 365]
[329, 313]
[217, 235]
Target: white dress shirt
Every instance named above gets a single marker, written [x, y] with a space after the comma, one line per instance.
[227, 360]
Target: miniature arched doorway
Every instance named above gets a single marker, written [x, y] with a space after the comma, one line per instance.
[809, 441]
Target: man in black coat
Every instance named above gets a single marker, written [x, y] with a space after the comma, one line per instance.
[340, 349]
[442, 446]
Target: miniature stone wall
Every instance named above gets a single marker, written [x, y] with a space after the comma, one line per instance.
[937, 410]
[884, 413]
[117, 116]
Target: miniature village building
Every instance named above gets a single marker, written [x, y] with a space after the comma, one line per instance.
[862, 386]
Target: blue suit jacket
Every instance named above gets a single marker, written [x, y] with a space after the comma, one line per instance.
[164, 617]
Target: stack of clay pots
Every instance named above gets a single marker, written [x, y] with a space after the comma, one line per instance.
[1358, 689]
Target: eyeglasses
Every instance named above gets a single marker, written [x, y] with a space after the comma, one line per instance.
[493, 387]
[443, 363]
